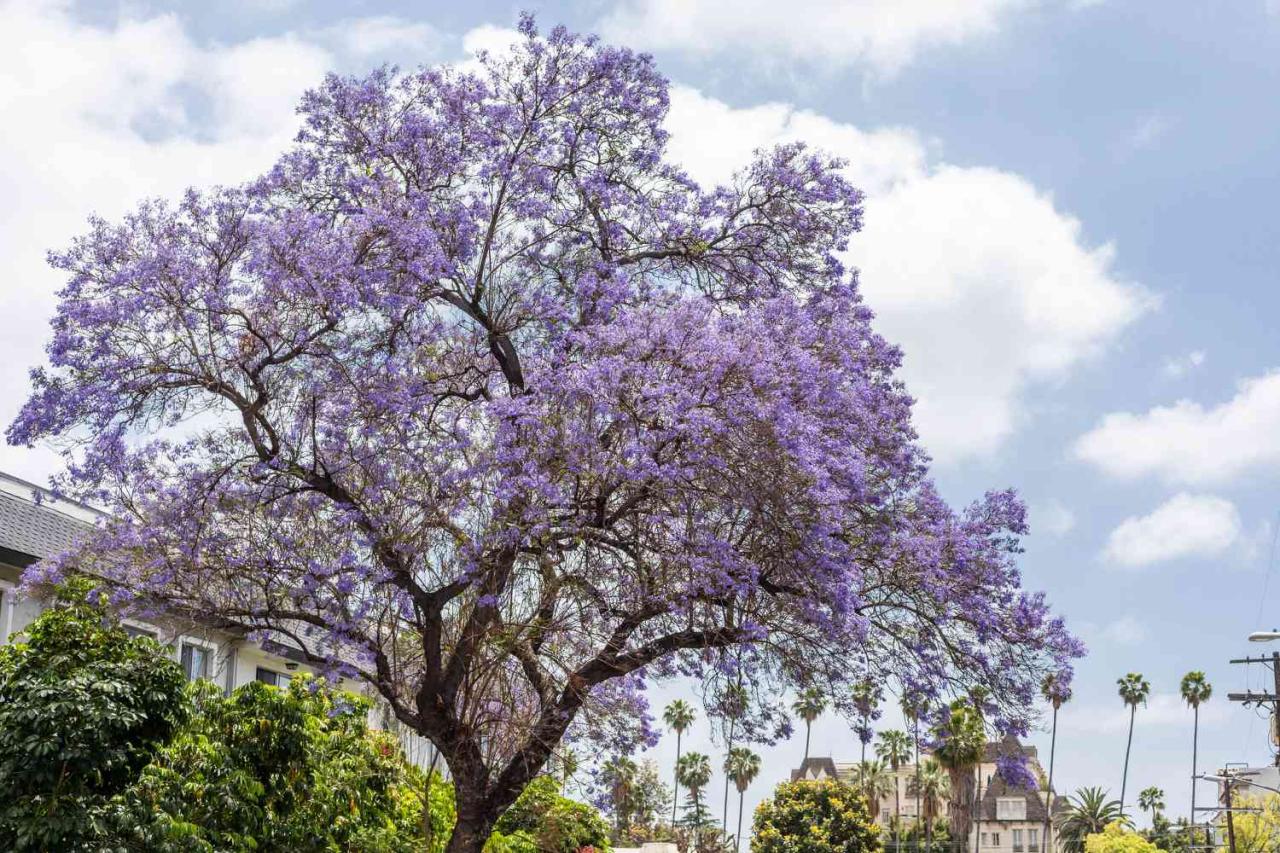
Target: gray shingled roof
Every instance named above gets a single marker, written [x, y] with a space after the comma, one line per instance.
[36, 530]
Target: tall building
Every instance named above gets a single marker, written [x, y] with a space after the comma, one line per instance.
[1006, 819]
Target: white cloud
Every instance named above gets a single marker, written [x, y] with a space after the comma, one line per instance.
[989, 288]
[98, 118]
[384, 35]
[1125, 631]
[1148, 130]
[1054, 518]
[1186, 525]
[883, 34]
[1188, 443]
[1179, 366]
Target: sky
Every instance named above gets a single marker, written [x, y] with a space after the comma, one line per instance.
[1070, 229]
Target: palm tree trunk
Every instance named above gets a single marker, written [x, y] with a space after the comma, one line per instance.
[915, 725]
[808, 728]
[737, 838]
[697, 817]
[928, 832]
[1124, 780]
[1048, 794]
[897, 813]
[1195, 746]
[958, 815]
[724, 821]
[675, 790]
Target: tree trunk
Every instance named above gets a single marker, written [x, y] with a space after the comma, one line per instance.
[675, 790]
[1124, 780]
[471, 831]
[737, 838]
[724, 820]
[1195, 745]
[959, 818]
[897, 813]
[1048, 794]
[915, 727]
[808, 727]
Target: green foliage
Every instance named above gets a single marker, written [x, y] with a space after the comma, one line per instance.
[1117, 838]
[551, 822]
[269, 769]
[1088, 812]
[83, 707]
[1171, 836]
[817, 817]
[962, 737]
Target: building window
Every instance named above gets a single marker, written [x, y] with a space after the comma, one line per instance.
[1033, 841]
[1017, 841]
[1011, 808]
[985, 842]
[995, 839]
[195, 661]
[270, 676]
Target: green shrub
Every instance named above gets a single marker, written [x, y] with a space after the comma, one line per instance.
[816, 817]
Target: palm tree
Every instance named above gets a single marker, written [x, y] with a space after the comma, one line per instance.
[1056, 688]
[894, 749]
[694, 770]
[875, 781]
[866, 699]
[679, 715]
[742, 766]
[1151, 800]
[933, 786]
[962, 743]
[732, 705]
[1088, 812]
[809, 706]
[1195, 691]
[1134, 690]
[620, 776]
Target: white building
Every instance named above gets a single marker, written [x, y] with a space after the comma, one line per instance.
[34, 523]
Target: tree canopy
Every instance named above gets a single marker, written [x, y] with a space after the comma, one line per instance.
[479, 399]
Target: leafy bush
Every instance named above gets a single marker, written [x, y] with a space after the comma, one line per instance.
[816, 817]
[554, 823]
[83, 708]
[269, 769]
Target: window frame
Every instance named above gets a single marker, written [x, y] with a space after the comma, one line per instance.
[210, 650]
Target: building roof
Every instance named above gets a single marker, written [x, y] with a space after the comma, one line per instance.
[815, 768]
[37, 524]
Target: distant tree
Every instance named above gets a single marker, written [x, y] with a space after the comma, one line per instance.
[1196, 690]
[619, 777]
[1258, 832]
[894, 749]
[962, 741]
[866, 697]
[649, 800]
[874, 780]
[83, 708]
[824, 816]
[808, 706]
[934, 788]
[479, 398]
[694, 772]
[1170, 836]
[731, 706]
[1117, 837]
[1151, 799]
[679, 716]
[1056, 689]
[913, 707]
[742, 767]
[1133, 690]
[1088, 812]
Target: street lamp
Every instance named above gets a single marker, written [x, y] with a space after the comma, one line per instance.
[1264, 636]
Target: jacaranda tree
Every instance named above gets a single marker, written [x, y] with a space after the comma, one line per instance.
[477, 398]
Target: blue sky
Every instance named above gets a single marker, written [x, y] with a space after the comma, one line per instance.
[1070, 229]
